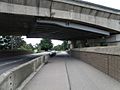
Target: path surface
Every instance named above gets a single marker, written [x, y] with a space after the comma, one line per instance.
[66, 73]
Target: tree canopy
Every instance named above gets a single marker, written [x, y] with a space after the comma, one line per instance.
[27, 47]
[46, 44]
[10, 42]
[63, 46]
[14, 42]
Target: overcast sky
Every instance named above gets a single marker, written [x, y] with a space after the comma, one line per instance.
[108, 3]
[33, 41]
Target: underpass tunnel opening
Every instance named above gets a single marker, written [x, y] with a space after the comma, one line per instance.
[32, 44]
[70, 32]
[84, 34]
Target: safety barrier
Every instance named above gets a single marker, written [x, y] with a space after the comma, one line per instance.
[12, 79]
[107, 63]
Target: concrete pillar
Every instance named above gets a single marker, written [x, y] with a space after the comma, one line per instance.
[113, 40]
[73, 44]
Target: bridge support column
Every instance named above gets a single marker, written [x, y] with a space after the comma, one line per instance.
[103, 41]
[113, 40]
[73, 44]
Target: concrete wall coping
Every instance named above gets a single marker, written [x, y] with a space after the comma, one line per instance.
[113, 50]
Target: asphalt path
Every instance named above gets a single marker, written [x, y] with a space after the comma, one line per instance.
[66, 73]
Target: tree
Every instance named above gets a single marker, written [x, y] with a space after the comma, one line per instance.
[46, 44]
[58, 48]
[38, 48]
[65, 45]
[10, 42]
[27, 47]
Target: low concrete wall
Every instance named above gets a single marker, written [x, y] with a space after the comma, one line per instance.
[12, 79]
[107, 63]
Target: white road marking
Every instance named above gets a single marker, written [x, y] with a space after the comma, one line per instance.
[10, 62]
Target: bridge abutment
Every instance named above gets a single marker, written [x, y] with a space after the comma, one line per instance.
[73, 44]
[113, 40]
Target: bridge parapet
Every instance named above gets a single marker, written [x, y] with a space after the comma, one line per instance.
[103, 58]
[113, 50]
[70, 5]
[18, 77]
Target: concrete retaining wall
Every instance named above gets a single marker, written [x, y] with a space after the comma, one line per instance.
[107, 63]
[12, 79]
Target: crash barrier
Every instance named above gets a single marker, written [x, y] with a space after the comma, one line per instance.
[108, 63]
[12, 79]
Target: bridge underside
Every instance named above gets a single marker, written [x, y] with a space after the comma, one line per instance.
[61, 33]
[34, 27]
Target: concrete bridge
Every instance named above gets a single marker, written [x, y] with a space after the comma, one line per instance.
[64, 20]
[58, 19]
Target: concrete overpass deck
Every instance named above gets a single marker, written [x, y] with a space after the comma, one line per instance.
[66, 73]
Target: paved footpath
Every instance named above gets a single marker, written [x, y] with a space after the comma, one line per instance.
[66, 73]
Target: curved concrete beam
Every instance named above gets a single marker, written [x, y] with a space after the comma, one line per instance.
[75, 26]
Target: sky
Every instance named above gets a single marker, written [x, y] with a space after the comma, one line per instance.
[109, 3]
[34, 41]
